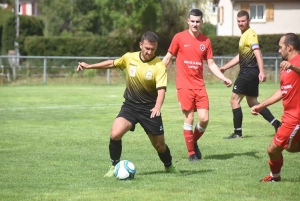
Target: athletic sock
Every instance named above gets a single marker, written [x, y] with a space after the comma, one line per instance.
[198, 132]
[267, 115]
[237, 120]
[275, 166]
[115, 150]
[275, 123]
[189, 138]
[166, 157]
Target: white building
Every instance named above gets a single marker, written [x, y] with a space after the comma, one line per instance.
[267, 16]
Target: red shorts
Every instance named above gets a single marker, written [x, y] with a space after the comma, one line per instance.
[193, 99]
[286, 135]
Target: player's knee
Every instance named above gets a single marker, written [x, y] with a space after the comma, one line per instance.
[204, 121]
[115, 135]
[160, 147]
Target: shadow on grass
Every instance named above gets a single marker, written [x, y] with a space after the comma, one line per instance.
[182, 172]
[232, 155]
[296, 180]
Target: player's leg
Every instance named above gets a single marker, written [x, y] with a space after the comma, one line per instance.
[163, 151]
[189, 135]
[124, 122]
[266, 113]
[155, 131]
[203, 115]
[288, 138]
[119, 128]
[186, 100]
[275, 162]
[237, 115]
[202, 105]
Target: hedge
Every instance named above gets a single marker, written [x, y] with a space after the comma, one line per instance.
[105, 46]
[29, 26]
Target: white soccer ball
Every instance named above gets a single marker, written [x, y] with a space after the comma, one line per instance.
[125, 170]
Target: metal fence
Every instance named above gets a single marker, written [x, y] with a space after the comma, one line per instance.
[16, 68]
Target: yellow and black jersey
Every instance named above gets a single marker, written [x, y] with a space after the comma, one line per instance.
[248, 43]
[142, 78]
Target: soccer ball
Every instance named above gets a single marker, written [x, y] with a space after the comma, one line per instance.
[124, 170]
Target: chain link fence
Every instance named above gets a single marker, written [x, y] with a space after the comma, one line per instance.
[62, 70]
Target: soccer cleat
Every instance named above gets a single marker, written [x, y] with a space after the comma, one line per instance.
[269, 178]
[171, 169]
[234, 135]
[197, 151]
[193, 158]
[110, 172]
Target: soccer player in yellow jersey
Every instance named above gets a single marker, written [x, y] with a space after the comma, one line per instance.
[250, 75]
[146, 83]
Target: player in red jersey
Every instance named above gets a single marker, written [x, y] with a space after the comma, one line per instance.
[191, 48]
[288, 135]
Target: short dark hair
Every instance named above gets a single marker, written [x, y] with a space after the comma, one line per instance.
[150, 36]
[242, 13]
[293, 40]
[195, 12]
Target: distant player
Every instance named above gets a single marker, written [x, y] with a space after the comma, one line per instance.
[288, 135]
[191, 48]
[146, 83]
[250, 75]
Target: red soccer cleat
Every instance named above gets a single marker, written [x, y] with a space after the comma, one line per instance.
[269, 178]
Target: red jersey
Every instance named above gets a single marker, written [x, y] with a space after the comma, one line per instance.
[190, 53]
[290, 87]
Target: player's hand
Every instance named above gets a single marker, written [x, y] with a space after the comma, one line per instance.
[262, 77]
[284, 65]
[222, 69]
[255, 110]
[227, 82]
[81, 66]
[154, 112]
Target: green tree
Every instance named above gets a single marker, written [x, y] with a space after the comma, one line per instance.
[126, 20]
[70, 17]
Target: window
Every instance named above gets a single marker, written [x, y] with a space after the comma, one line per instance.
[257, 12]
[213, 7]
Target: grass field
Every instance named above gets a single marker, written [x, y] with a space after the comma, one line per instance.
[54, 146]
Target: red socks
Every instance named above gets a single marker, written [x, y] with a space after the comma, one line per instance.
[189, 141]
[275, 166]
[197, 135]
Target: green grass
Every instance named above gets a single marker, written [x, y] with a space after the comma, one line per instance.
[54, 146]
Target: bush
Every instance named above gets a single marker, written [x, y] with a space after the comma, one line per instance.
[73, 46]
[108, 46]
[29, 26]
[4, 14]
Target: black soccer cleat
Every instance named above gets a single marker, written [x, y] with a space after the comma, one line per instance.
[197, 151]
[233, 135]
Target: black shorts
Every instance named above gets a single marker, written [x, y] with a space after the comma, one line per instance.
[140, 113]
[247, 82]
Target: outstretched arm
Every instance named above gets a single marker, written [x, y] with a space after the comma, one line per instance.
[103, 64]
[230, 64]
[277, 96]
[217, 72]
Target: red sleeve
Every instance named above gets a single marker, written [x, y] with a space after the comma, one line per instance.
[174, 46]
[209, 53]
